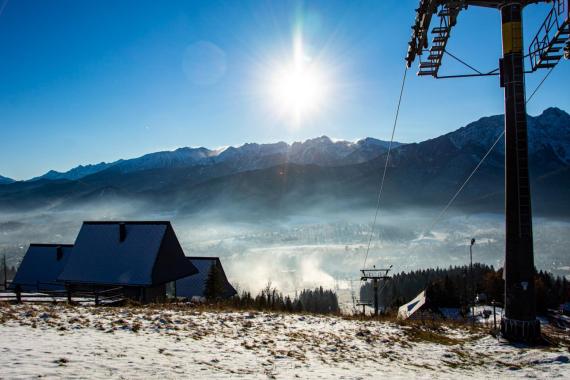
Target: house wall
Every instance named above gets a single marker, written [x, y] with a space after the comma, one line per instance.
[155, 294]
[146, 294]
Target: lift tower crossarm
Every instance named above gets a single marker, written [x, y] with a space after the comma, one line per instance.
[447, 10]
[499, 3]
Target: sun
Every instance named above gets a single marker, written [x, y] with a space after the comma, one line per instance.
[299, 88]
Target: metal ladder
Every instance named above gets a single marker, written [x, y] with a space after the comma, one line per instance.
[447, 19]
[552, 41]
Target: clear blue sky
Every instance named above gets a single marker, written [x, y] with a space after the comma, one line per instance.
[90, 81]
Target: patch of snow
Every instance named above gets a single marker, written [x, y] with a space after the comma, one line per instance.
[102, 343]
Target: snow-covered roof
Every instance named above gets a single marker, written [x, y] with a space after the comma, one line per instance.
[41, 266]
[126, 253]
[407, 310]
[195, 285]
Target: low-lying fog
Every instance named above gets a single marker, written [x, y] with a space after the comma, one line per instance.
[318, 248]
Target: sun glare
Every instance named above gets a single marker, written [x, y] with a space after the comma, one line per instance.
[298, 89]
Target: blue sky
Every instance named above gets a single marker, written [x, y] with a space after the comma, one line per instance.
[90, 81]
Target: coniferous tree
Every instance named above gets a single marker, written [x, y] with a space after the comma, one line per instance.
[214, 283]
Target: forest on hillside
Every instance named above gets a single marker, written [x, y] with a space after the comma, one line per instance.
[451, 287]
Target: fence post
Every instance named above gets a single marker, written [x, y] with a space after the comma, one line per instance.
[5, 274]
[96, 298]
[494, 315]
[18, 293]
[68, 293]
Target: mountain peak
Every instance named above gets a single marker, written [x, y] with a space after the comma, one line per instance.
[317, 140]
[554, 111]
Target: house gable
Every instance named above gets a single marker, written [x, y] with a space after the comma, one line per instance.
[171, 263]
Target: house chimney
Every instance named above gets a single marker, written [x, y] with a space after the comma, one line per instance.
[59, 252]
[122, 232]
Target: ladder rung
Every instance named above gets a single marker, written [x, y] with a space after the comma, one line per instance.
[545, 65]
[439, 30]
[439, 39]
[422, 73]
[551, 57]
[428, 65]
[433, 57]
[436, 48]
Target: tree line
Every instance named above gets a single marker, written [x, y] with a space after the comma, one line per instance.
[10, 273]
[451, 287]
[318, 301]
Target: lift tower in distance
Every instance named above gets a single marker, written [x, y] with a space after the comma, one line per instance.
[375, 275]
[549, 45]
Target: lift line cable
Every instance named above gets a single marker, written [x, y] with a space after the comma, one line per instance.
[540, 84]
[442, 213]
[383, 177]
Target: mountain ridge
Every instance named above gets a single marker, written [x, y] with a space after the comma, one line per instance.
[320, 150]
[306, 152]
[261, 179]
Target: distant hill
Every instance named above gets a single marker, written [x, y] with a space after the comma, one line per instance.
[263, 179]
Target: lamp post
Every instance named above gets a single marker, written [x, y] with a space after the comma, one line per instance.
[471, 276]
[5, 274]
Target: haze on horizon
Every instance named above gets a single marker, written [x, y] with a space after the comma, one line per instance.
[118, 80]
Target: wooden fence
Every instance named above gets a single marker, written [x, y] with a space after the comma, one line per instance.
[49, 292]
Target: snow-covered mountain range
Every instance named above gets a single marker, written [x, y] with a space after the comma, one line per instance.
[550, 130]
[260, 177]
[251, 156]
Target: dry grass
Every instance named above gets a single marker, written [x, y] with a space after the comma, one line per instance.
[555, 337]
[419, 335]
[438, 331]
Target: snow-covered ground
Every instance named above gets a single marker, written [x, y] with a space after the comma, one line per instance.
[58, 341]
